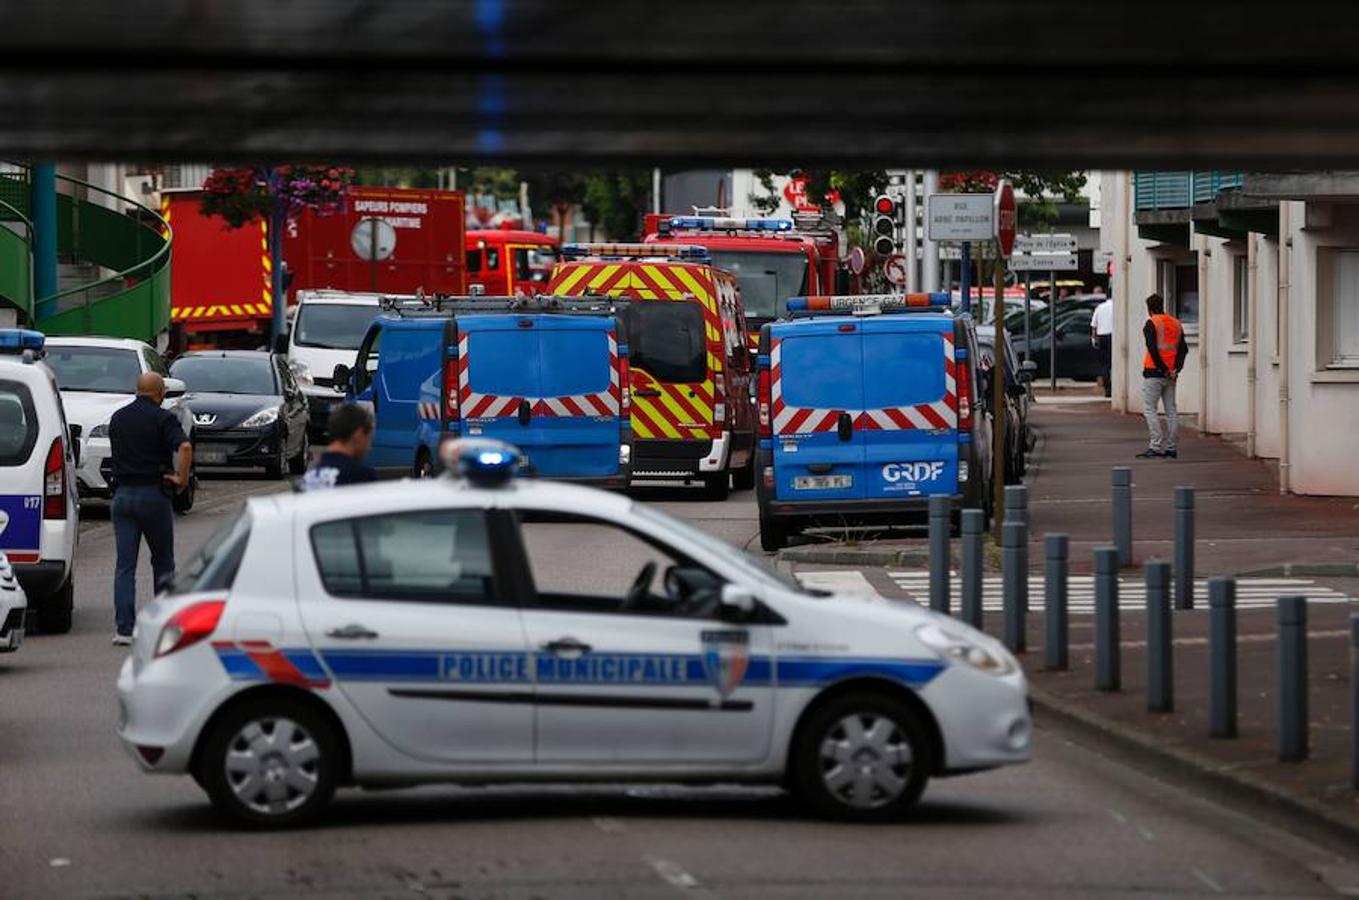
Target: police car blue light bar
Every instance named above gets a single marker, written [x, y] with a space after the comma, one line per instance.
[727, 223]
[482, 461]
[17, 340]
[635, 251]
[868, 302]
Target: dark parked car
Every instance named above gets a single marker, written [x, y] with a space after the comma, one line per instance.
[1018, 376]
[1076, 357]
[248, 410]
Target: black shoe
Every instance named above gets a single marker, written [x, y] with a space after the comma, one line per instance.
[1171, 454]
[1150, 454]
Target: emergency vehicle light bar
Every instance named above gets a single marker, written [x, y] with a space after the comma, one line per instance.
[17, 340]
[728, 223]
[868, 302]
[482, 461]
[636, 251]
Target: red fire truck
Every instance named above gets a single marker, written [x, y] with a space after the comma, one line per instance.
[392, 240]
[510, 261]
[773, 259]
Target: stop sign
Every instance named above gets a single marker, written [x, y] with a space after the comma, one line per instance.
[1006, 218]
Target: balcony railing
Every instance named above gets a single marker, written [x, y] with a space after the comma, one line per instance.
[1180, 190]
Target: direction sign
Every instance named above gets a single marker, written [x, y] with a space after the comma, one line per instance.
[960, 217]
[1006, 218]
[1045, 243]
[894, 268]
[1043, 262]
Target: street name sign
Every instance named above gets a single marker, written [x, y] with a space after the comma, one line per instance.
[1045, 243]
[960, 217]
[1043, 262]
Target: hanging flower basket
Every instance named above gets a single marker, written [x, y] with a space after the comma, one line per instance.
[243, 195]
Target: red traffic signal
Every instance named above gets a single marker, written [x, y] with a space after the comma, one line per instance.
[885, 205]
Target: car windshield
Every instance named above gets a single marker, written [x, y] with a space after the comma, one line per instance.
[666, 339]
[333, 326]
[767, 279]
[226, 374]
[535, 263]
[102, 370]
[720, 548]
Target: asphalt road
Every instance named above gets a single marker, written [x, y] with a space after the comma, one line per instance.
[77, 819]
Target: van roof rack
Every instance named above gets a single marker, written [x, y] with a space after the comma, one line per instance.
[868, 304]
[443, 304]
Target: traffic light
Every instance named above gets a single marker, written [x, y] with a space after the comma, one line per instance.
[884, 225]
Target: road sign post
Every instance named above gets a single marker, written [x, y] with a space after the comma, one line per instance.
[1051, 253]
[1004, 219]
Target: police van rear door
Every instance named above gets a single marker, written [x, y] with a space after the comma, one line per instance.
[502, 378]
[817, 391]
[576, 425]
[909, 421]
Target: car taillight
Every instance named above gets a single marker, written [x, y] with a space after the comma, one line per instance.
[719, 398]
[624, 388]
[451, 388]
[766, 420]
[54, 482]
[963, 382]
[189, 626]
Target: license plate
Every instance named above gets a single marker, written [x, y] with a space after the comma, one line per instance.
[209, 454]
[822, 482]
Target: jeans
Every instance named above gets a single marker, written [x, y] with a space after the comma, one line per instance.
[1162, 390]
[140, 510]
[1105, 344]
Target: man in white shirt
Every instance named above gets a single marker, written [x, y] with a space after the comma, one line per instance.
[1102, 337]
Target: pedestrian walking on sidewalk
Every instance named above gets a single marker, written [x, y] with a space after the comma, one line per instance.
[1161, 364]
[1102, 339]
[351, 434]
[151, 456]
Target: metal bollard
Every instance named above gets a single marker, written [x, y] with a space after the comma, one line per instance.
[974, 522]
[1354, 701]
[1160, 659]
[1184, 547]
[1017, 503]
[1292, 686]
[1055, 572]
[1122, 506]
[1222, 658]
[941, 510]
[1015, 584]
[1107, 664]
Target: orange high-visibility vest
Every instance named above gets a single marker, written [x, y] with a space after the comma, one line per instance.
[1168, 331]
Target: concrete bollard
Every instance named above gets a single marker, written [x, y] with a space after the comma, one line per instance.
[1160, 658]
[1122, 507]
[1222, 658]
[1184, 547]
[1017, 503]
[1354, 701]
[1015, 584]
[1055, 572]
[1107, 664]
[974, 525]
[941, 511]
[1292, 679]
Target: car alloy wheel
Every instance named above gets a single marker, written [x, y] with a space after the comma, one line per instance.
[866, 761]
[272, 766]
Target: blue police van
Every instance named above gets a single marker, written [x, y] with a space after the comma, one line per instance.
[547, 374]
[868, 406]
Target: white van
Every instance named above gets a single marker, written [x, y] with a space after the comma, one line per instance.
[327, 329]
[39, 508]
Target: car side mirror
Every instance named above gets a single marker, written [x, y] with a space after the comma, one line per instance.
[74, 431]
[340, 377]
[175, 388]
[737, 603]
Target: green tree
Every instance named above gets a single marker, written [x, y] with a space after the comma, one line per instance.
[856, 187]
[616, 201]
[1041, 191]
[561, 191]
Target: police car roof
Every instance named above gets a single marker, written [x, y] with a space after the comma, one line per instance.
[96, 341]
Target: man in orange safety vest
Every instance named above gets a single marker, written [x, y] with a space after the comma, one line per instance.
[1161, 365]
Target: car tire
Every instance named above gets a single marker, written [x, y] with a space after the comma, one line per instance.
[273, 762]
[717, 487]
[183, 500]
[56, 610]
[275, 467]
[773, 534]
[862, 757]
[743, 479]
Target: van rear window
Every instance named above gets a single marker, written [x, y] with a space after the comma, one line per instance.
[504, 362]
[574, 362]
[911, 365]
[18, 424]
[667, 339]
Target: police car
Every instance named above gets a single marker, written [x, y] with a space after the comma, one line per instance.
[485, 628]
[38, 458]
[13, 605]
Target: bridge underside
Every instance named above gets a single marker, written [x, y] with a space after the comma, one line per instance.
[1035, 83]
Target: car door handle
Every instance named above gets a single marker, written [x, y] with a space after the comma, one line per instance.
[352, 633]
[566, 645]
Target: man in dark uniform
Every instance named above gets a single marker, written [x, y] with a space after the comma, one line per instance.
[351, 434]
[151, 457]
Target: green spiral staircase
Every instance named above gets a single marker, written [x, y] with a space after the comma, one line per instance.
[130, 240]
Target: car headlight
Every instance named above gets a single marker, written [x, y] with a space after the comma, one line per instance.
[302, 372]
[266, 416]
[956, 646]
[99, 431]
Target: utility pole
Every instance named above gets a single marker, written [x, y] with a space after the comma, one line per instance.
[929, 264]
[998, 422]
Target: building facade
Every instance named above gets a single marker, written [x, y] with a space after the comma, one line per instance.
[1264, 272]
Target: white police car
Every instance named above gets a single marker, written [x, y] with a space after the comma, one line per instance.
[486, 629]
[38, 503]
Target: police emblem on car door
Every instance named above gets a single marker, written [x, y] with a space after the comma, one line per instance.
[726, 657]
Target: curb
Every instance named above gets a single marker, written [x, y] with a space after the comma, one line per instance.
[1209, 773]
[839, 555]
[1312, 569]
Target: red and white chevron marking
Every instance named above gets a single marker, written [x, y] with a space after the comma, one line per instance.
[942, 413]
[427, 410]
[476, 405]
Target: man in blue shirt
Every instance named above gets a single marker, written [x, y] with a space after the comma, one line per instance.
[351, 434]
[151, 456]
